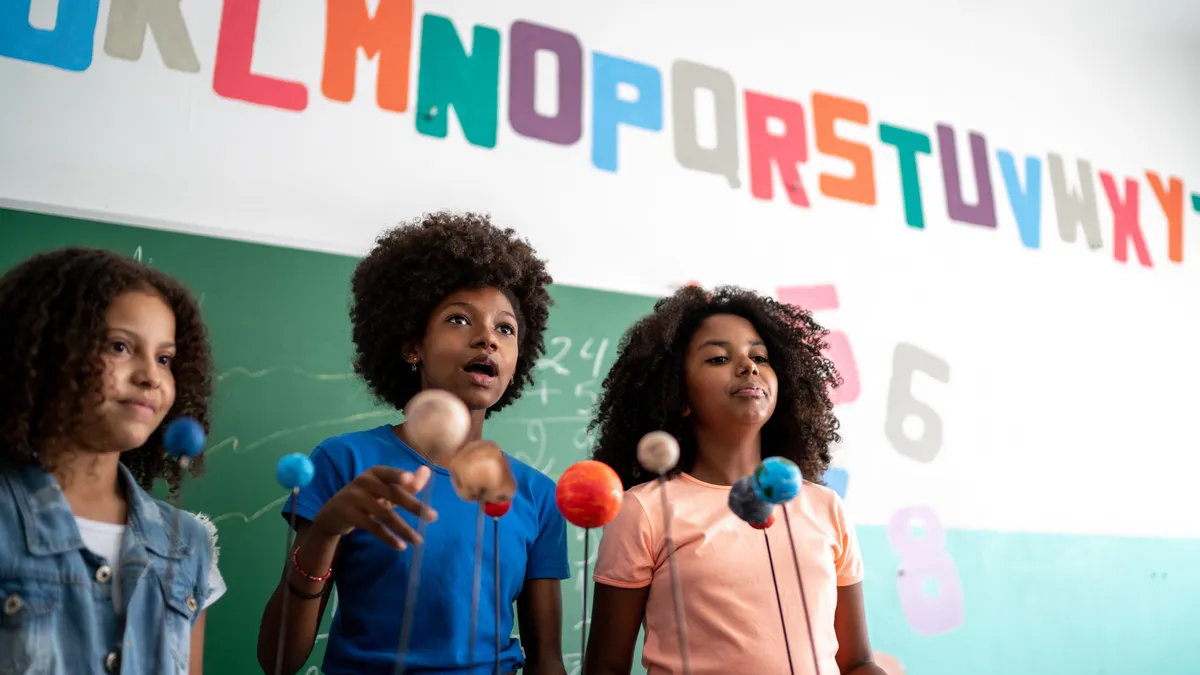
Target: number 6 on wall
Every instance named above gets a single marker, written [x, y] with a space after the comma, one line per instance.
[820, 298]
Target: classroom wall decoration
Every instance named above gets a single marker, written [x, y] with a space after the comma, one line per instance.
[995, 214]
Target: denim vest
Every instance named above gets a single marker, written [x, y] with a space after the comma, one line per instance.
[57, 611]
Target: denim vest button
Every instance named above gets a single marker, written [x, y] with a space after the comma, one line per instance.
[112, 662]
[13, 604]
[104, 574]
[191, 604]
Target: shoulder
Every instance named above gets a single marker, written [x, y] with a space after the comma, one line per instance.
[826, 505]
[356, 450]
[356, 441]
[535, 486]
[538, 483]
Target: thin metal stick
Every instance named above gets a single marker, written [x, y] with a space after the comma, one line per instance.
[583, 626]
[676, 584]
[778, 600]
[475, 588]
[414, 582]
[496, 573]
[287, 552]
[803, 600]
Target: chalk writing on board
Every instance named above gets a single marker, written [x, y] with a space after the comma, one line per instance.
[592, 351]
[268, 508]
[137, 255]
[820, 298]
[263, 372]
[927, 581]
[239, 449]
[907, 361]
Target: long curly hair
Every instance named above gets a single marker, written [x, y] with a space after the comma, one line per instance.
[52, 332]
[414, 267]
[646, 389]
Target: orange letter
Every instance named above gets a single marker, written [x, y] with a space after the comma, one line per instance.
[348, 26]
[860, 186]
[1171, 201]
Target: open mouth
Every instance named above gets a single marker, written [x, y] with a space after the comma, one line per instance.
[485, 368]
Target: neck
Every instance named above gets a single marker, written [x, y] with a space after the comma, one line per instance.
[722, 458]
[91, 483]
[443, 459]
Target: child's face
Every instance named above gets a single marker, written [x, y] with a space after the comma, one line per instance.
[470, 347]
[729, 379]
[139, 387]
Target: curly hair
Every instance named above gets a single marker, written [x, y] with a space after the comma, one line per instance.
[52, 332]
[414, 267]
[646, 389]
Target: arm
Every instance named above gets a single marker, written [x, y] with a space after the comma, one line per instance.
[316, 554]
[539, 613]
[617, 615]
[196, 660]
[854, 655]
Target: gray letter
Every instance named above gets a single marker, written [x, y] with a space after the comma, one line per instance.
[1073, 208]
[126, 33]
[686, 78]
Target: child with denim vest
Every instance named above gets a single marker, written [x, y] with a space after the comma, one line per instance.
[97, 351]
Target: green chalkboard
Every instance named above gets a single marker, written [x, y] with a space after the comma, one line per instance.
[281, 338]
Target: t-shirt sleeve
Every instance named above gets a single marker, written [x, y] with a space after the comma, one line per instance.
[331, 472]
[548, 554]
[849, 564]
[625, 558]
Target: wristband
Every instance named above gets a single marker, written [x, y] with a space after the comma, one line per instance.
[306, 575]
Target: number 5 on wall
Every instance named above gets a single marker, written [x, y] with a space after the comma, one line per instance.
[816, 299]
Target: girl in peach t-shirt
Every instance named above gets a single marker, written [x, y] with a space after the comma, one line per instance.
[735, 377]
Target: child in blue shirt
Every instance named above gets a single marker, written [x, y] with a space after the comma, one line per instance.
[96, 352]
[447, 301]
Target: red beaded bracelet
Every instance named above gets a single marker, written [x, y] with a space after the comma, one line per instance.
[306, 575]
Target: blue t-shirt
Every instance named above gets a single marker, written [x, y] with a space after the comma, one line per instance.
[372, 579]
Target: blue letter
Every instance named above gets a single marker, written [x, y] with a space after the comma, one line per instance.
[68, 46]
[609, 111]
[1027, 203]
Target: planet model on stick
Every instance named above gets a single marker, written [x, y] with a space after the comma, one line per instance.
[436, 421]
[747, 505]
[777, 480]
[658, 452]
[481, 473]
[184, 438]
[589, 494]
[294, 471]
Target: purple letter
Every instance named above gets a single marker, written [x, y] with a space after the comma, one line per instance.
[566, 126]
[983, 212]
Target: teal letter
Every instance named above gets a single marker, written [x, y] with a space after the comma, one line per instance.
[449, 77]
[908, 143]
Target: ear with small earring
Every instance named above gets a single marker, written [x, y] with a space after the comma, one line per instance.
[414, 365]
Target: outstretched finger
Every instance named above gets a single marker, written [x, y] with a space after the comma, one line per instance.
[394, 492]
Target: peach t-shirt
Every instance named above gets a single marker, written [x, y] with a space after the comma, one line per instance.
[729, 604]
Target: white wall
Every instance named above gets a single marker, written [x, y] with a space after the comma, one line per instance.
[1070, 404]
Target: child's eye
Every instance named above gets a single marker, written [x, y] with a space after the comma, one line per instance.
[120, 347]
[507, 329]
[718, 359]
[760, 359]
[165, 360]
[458, 318]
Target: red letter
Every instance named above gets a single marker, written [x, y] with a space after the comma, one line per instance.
[786, 151]
[1171, 201]
[860, 186]
[1125, 220]
[235, 49]
[348, 26]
